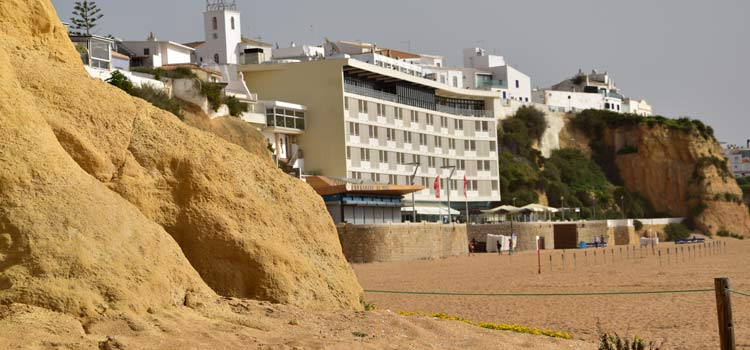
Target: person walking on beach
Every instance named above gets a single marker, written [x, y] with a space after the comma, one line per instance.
[499, 247]
[472, 246]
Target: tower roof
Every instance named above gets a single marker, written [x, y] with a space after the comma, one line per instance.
[221, 5]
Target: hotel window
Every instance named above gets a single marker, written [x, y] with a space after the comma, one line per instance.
[477, 126]
[362, 106]
[146, 51]
[485, 126]
[431, 162]
[455, 81]
[460, 164]
[215, 23]
[399, 113]
[393, 179]
[458, 124]
[232, 20]
[354, 129]
[452, 144]
[518, 85]
[438, 142]
[390, 134]
[422, 140]
[348, 153]
[383, 156]
[373, 131]
[483, 165]
[414, 118]
[380, 109]
[472, 185]
[364, 154]
[430, 119]
[407, 137]
[494, 185]
[376, 177]
[493, 147]
[470, 145]
[444, 122]
[400, 158]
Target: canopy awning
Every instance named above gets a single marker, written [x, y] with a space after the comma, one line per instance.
[430, 210]
[503, 209]
[538, 208]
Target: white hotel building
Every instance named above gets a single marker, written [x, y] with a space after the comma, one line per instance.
[365, 121]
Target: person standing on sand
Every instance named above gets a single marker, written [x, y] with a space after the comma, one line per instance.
[499, 247]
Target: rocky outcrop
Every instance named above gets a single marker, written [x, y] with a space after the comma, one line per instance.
[109, 203]
[681, 173]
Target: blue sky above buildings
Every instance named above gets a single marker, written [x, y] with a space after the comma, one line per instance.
[686, 58]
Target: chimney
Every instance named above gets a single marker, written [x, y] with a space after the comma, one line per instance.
[748, 143]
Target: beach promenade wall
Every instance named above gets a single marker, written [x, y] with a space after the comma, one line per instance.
[401, 241]
[526, 232]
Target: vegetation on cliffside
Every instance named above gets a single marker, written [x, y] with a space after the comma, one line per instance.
[568, 177]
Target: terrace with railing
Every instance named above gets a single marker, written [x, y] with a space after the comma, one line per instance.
[439, 104]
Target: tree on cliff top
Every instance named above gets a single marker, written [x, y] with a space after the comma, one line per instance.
[86, 14]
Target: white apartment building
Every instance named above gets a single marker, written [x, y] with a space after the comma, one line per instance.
[152, 53]
[368, 122]
[589, 91]
[739, 159]
[492, 72]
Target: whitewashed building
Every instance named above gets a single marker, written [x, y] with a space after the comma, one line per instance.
[152, 53]
[739, 159]
[589, 91]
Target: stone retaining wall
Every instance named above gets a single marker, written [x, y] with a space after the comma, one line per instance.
[401, 241]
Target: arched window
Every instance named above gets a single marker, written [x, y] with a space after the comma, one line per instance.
[215, 23]
[216, 58]
[232, 23]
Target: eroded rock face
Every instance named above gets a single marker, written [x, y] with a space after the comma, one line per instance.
[666, 171]
[108, 202]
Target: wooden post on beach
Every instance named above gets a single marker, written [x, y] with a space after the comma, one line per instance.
[575, 265]
[594, 257]
[550, 262]
[620, 253]
[682, 250]
[586, 257]
[724, 309]
[604, 256]
[563, 260]
[660, 258]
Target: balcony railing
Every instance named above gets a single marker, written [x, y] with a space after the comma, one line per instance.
[364, 91]
[491, 84]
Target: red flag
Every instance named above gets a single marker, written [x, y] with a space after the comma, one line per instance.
[437, 187]
[466, 185]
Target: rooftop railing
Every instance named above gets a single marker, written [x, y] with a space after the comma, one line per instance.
[381, 95]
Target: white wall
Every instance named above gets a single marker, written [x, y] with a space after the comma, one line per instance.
[138, 79]
[509, 76]
[565, 100]
[175, 54]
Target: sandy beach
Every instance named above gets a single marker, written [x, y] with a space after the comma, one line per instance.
[678, 321]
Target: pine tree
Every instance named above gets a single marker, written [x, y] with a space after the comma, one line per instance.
[86, 14]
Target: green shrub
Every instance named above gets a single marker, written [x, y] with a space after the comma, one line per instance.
[121, 81]
[676, 231]
[615, 342]
[638, 225]
[235, 106]
[158, 98]
[213, 93]
[725, 233]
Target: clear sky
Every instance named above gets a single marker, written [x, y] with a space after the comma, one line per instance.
[685, 57]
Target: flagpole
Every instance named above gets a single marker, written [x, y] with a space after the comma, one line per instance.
[466, 198]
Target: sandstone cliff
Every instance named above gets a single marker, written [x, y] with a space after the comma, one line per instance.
[682, 173]
[109, 203]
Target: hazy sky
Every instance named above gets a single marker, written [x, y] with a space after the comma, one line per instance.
[685, 57]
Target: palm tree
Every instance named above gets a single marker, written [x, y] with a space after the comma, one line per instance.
[86, 14]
